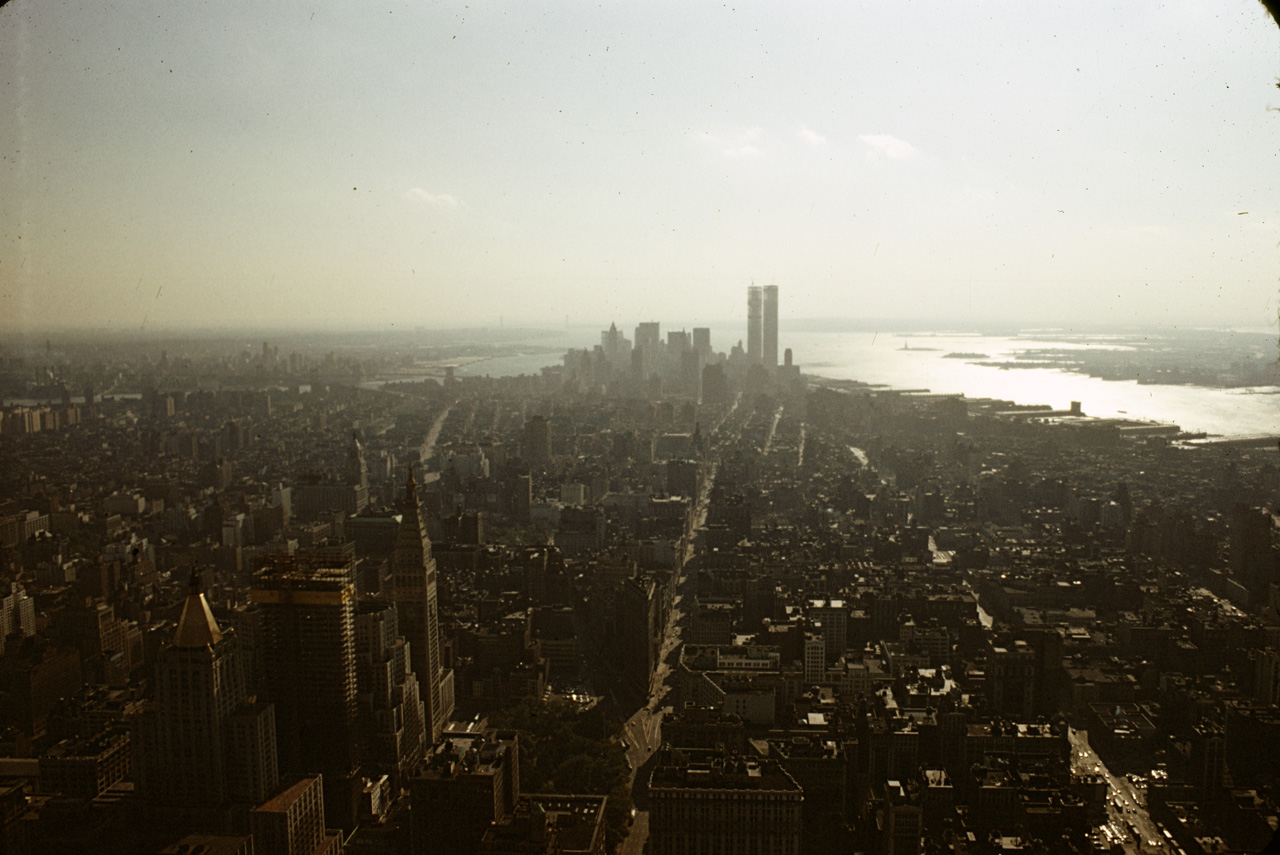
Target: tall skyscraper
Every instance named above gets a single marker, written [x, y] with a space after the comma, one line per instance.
[537, 443]
[770, 327]
[393, 704]
[648, 335]
[309, 669]
[203, 747]
[755, 324]
[356, 471]
[617, 349]
[414, 592]
[702, 341]
[198, 687]
[644, 357]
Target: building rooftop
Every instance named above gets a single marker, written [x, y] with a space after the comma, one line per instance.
[284, 800]
[196, 627]
[721, 773]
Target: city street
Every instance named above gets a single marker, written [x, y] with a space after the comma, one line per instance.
[643, 731]
[1128, 820]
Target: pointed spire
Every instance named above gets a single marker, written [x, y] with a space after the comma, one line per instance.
[413, 534]
[411, 520]
[196, 627]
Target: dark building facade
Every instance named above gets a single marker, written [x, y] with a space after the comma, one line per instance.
[414, 589]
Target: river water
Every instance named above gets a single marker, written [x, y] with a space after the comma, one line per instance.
[880, 358]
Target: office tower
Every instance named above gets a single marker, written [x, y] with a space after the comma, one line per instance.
[1206, 766]
[253, 770]
[1012, 673]
[17, 612]
[715, 386]
[645, 354]
[85, 768]
[293, 823]
[617, 350]
[537, 441]
[356, 471]
[1266, 680]
[900, 821]
[770, 335]
[1255, 562]
[755, 324]
[198, 687]
[319, 492]
[393, 705]
[471, 780]
[834, 617]
[309, 669]
[414, 592]
[691, 362]
[637, 629]
[705, 801]
[815, 656]
[522, 497]
[702, 341]
[638, 364]
[648, 336]
[683, 477]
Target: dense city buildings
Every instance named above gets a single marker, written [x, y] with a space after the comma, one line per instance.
[657, 594]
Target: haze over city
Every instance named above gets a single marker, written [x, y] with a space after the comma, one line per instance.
[447, 165]
[645, 428]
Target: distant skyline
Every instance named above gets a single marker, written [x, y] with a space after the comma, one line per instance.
[439, 165]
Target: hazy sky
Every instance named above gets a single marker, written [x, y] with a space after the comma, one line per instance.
[450, 164]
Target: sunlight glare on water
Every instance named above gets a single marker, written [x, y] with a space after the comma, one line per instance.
[880, 359]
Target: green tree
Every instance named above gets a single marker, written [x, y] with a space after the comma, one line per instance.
[566, 751]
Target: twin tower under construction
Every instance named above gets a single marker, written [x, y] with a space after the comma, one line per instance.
[762, 325]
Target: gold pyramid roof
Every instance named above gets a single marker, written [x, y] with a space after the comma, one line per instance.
[196, 627]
